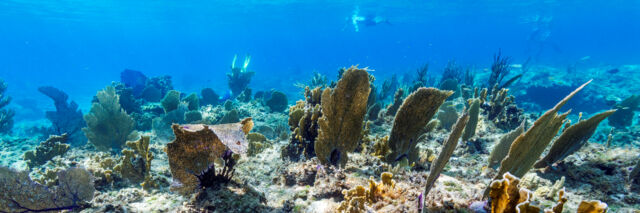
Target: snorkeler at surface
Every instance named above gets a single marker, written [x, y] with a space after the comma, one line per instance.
[368, 20]
[539, 36]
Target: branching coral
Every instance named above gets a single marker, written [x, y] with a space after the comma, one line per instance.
[572, 139]
[48, 149]
[500, 108]
[18, 193]
[447, 150]
[416, 111]
[67, 118]
[499, 69]
[108, 125]
[303, 122]
[135, 165]
[355, 199]
[343, 111]
[197, 146]
[239, 77]
[6, 115]
[527, 148]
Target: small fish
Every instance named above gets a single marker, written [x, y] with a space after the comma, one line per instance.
[613, 71]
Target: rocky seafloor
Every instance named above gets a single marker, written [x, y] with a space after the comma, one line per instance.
[281, 172]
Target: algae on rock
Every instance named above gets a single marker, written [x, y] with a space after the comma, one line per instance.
[343, 111]
[416, 111]
[572, 139]
[48, 149]
[108, 125]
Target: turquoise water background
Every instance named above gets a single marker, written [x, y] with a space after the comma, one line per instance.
[81, 46]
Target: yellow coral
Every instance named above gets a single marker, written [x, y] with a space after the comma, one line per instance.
[593, 206]
[356, 198]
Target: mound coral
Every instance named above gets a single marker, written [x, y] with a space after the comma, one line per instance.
[67, 118]
[48, 149]
[108, 125]
[156, 87]
[416, 111]
[197, 146]
[239, 77]
[21, 194]
[278, 101]
[209, 97]
[527, 148]
[507, 197]
[355, 199]
[6, 115]
[134, 80]
[343, 111]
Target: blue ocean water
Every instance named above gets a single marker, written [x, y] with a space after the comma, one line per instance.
[81, 46]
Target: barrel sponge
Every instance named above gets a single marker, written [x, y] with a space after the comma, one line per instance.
[343, 111]
[197, 146]
[414, 113]
[108, 125]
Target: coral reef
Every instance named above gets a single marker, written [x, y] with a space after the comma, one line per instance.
[303, 123]
[21, 194]
[572, 139]
[527, 148]
[416, 111]
[135, 164]
[48, 149]
[278, 101]
[448, 115]
[355, 199]
[108, 125]
[134, 80]
[474, 113]
[197, 146]
[6, 115]
[170, 101]
[156, 87]
[625, 112]
[209, 97]
[501, 149]
[447, 150]
[395, 105]
[343, 111]
[67, 118]
[239, 77]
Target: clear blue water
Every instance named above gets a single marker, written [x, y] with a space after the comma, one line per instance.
[81, 46]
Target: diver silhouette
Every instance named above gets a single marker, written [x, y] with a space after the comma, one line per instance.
[368, 20]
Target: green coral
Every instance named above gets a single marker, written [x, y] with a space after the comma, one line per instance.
[48, 149]
[343, 111]
[108, 125]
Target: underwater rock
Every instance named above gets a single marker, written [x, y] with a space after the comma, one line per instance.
[278, 101]
[257, 143]
[239, 77]
[416, 111]
[209, 97]
[135, 164]
[447, 150]
[572, 139]
[6, 115]
[21, 194]
[343, 111]
[134, 80]
[108, 125]
[527, 148]
[48, 149]
[197, 146]
[67, 118]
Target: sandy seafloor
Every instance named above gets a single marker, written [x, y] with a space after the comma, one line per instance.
[266, 183]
